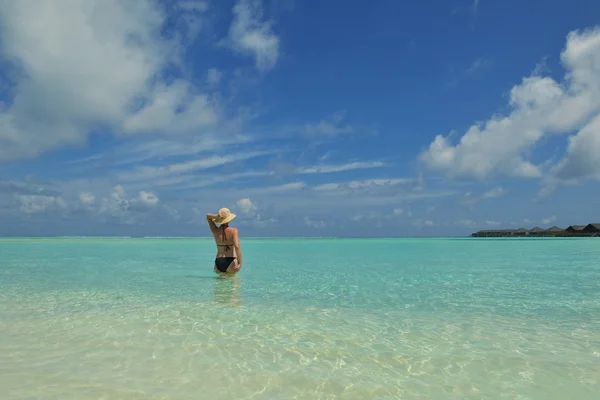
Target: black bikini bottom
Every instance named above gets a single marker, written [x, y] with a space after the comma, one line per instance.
[222, 263]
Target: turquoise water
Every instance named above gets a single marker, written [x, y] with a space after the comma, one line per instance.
[305, 319]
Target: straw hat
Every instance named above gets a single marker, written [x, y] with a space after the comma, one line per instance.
[224, 216]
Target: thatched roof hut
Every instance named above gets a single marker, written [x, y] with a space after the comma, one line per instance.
[575, 228]
[592, 228]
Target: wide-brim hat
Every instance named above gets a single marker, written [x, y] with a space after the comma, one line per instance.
[224, 216]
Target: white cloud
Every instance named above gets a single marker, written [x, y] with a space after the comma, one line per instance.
[322, 169]
[33, 204]
[250, 209]
[582, 159]
[329, 127]
[248, 34]
[173, 108]
[540, 107]
[92, 63]
[116, 204]
[119, 205]
[87, 198]
[148, 199]
[325, 187]
[549, 220]
[148, 172]
[285, 187]
[493, 193]
[247, 206]
[361, 184]
[498, 191]
[160, 148]
[377, 182]
[398, 212]
[213, 76]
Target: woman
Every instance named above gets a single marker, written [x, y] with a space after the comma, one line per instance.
[228, 261]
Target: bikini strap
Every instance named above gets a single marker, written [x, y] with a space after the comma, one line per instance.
[223, 237]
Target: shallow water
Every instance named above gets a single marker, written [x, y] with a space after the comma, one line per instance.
[305, 319]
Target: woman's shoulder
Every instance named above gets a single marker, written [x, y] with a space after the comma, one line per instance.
[231, 231]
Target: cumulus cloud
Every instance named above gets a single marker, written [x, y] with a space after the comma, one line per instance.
[247, 207]
[249, 34]
[87, 198]
[34, 204]
[116, 205]
[79, 65]
[540, 107]
[119, 206]
[148, 199]
[582, 159]
[251, 211]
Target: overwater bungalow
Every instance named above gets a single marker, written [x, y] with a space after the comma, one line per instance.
[592, 229]
[521, 232]
[535, 231]
[575, 228]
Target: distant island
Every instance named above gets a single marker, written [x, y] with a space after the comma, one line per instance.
[589, 230]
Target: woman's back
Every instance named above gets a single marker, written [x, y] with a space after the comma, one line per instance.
[225, 240]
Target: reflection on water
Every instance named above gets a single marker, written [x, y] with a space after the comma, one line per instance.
[227, 291]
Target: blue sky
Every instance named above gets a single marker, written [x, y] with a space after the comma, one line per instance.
[306, 118]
